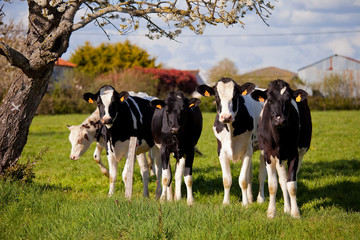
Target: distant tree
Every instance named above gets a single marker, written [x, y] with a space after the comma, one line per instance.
[224, 68]
[111, 57]
[130, 79]
[51, 23]
[172, 79]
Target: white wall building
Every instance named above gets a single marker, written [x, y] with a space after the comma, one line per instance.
[345, 67]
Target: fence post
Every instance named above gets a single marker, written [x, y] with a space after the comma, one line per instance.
[130, 169]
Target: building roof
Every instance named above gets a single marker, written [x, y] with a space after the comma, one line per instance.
[270, 72]
[335, 55]
[63, 63]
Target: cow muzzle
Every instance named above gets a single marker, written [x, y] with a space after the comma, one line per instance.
[73, 157]
[174, 130]
[226, 118]
[280, 122]
[106, 120]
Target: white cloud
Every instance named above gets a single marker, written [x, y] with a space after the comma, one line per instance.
[340, 46]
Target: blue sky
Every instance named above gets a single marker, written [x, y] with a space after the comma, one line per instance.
[301, 32]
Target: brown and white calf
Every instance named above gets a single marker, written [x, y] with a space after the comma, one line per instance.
[235, 129]
[284, 134]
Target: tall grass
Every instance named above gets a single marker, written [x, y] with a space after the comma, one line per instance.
[67, 199]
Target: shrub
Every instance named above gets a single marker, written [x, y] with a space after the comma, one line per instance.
[22, 172]
[338, 103]
[208, 104]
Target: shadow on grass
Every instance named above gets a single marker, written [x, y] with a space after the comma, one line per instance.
[338, 189]
[330, 182]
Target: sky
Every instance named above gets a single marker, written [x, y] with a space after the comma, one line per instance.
[300, 32]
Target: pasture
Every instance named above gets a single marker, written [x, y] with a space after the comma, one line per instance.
[68, 199]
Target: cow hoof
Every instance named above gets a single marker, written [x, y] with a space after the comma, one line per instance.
[190, 202]
[271, 214]
[260, 200]
[177, 197]
[295, 214]
[226, 203]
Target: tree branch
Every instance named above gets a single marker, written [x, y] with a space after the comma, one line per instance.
[15, 58]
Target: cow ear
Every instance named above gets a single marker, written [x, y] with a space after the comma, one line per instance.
[158, 104]
[205, 90]
[90, 97]
[246, 88]
[300, 95]
[259, 95]
[123, 96]
[69, 127]
[194, 102]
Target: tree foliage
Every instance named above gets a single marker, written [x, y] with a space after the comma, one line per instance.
[172, 79]
[111, 57]
[224, 68]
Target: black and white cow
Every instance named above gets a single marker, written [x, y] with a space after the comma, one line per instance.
[89, 131]
[235, 129]
[124, 116]
[284, 134]
[176, 128]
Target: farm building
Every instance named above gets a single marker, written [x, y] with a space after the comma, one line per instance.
[61, 69]
[262, 77]
[345, 68]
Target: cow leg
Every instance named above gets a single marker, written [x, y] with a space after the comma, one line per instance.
[292, 186]
[158, 170]
[166, 175]
[262, 177]
[113, 173]
[249, 188]
[188, 178]
[227, 178]
[273, 185]
[179, 173]
[97, 158]
[151, 162]
[144, 170]
[244, 178]
[281, 170]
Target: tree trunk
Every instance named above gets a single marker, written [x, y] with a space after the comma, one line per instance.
[17, 111]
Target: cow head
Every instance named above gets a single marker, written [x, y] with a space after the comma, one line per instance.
[278, 100]
[226, 93]
[107, 99]
[80, 140]
[175, 107]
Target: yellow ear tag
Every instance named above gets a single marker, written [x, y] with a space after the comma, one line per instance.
[158, 106]
[90, 100]
[244, 92]
[261, 99]
[191, 105]
[122, 99]
[298, 98]
[207, 94]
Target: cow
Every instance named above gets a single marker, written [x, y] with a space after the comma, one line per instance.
[176, 128]
[284, 134]
[90, 130]
[235, 129]
[124, 116]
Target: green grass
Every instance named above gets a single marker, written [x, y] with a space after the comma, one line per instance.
[68, 199]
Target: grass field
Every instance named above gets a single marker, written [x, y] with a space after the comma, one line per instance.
[68, 199]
